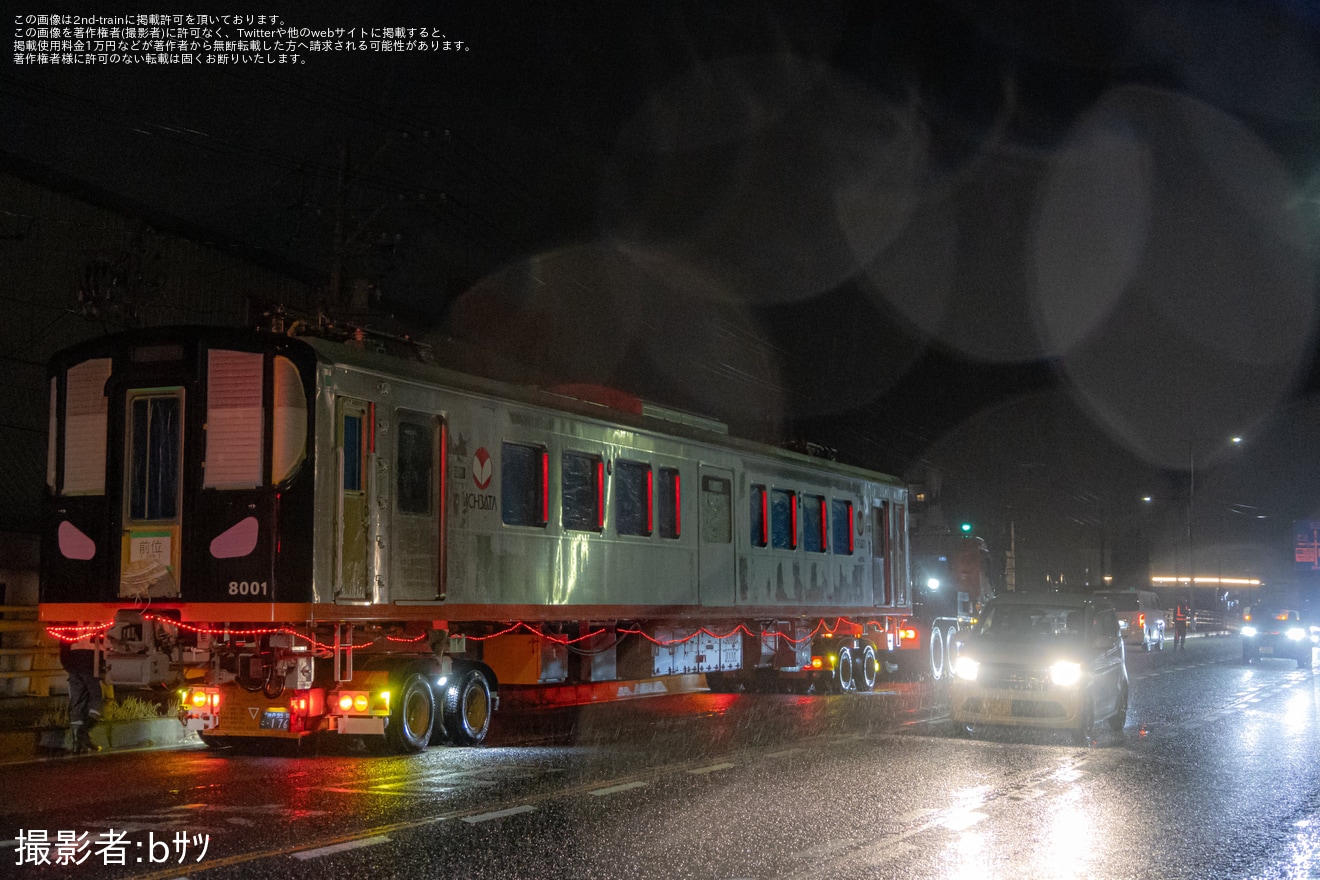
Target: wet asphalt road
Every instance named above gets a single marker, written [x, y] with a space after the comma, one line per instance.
[1214, 776]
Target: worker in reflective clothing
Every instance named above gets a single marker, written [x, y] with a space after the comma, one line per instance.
[1180, 626]
[85, 700]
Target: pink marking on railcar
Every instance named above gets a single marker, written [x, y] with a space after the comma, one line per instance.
[74, 544]
[239, 539]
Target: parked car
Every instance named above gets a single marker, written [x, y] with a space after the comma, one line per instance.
[1051, 661]
[1140, 617]
[1277, 632]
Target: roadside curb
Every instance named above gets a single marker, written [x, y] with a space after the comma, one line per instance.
[17, 746]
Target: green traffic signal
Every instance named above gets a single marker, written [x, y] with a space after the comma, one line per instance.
[966, 528]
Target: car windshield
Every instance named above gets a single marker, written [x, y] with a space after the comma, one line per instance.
[1016, 622]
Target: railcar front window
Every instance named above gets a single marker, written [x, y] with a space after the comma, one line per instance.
[154, 470]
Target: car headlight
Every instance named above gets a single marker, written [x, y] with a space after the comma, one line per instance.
[1066, 673]
[966, 668]
[1248, 631]
[1296, 633]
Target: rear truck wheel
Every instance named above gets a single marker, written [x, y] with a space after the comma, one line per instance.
[723, 682]
[936, 654]
[1118, 720]
[867, 671]
[468, 708]
[843, 671]
[412, 716]
[1081, 734]
[950, 649]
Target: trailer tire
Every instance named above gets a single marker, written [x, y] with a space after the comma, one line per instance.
[412, 716]
[843, 671]
[936, 654]
[865, 676]
[468, 708]
[723, 682]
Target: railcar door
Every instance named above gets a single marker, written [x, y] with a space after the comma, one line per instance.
[153, 484]
[352, 447]
[881, 580]
[715, 555]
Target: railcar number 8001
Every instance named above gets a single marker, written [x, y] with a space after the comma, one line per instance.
[247, 588]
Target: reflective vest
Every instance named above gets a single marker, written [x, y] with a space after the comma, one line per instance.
[1180, 615]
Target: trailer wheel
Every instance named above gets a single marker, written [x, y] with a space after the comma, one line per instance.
[936, 654]
[843, 671]
[412, 716]
[867, 671]
[723, 682]
[467, 708]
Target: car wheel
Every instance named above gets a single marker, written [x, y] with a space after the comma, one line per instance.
[1145, 640]
[1159, 646]
[1081, 734]
[1304, 661]
[1119, 719]
[963, 730]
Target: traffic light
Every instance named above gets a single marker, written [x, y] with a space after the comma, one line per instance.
[966, 528]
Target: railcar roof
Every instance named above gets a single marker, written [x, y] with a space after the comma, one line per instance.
[390, 366]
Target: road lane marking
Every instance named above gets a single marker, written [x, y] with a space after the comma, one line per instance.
[819, 852]
[615, 789]
[499, 814]
[785, 753]
[339, 847]
[713, 768]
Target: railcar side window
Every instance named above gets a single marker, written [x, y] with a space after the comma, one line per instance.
[813, 523]
[416, 452]
[716, 511]
[671, 503]
[289, 422]
[842, 514]
[234, 420]
[524, 484]
[583, 491]
[760, 517]
[85, 412]
[633, 498]
[783, 519]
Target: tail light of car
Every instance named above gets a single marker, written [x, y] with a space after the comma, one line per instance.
[1141, 619]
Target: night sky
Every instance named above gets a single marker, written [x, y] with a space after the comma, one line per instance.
[1060, 251]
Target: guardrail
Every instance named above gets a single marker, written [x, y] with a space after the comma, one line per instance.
[42, 654]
